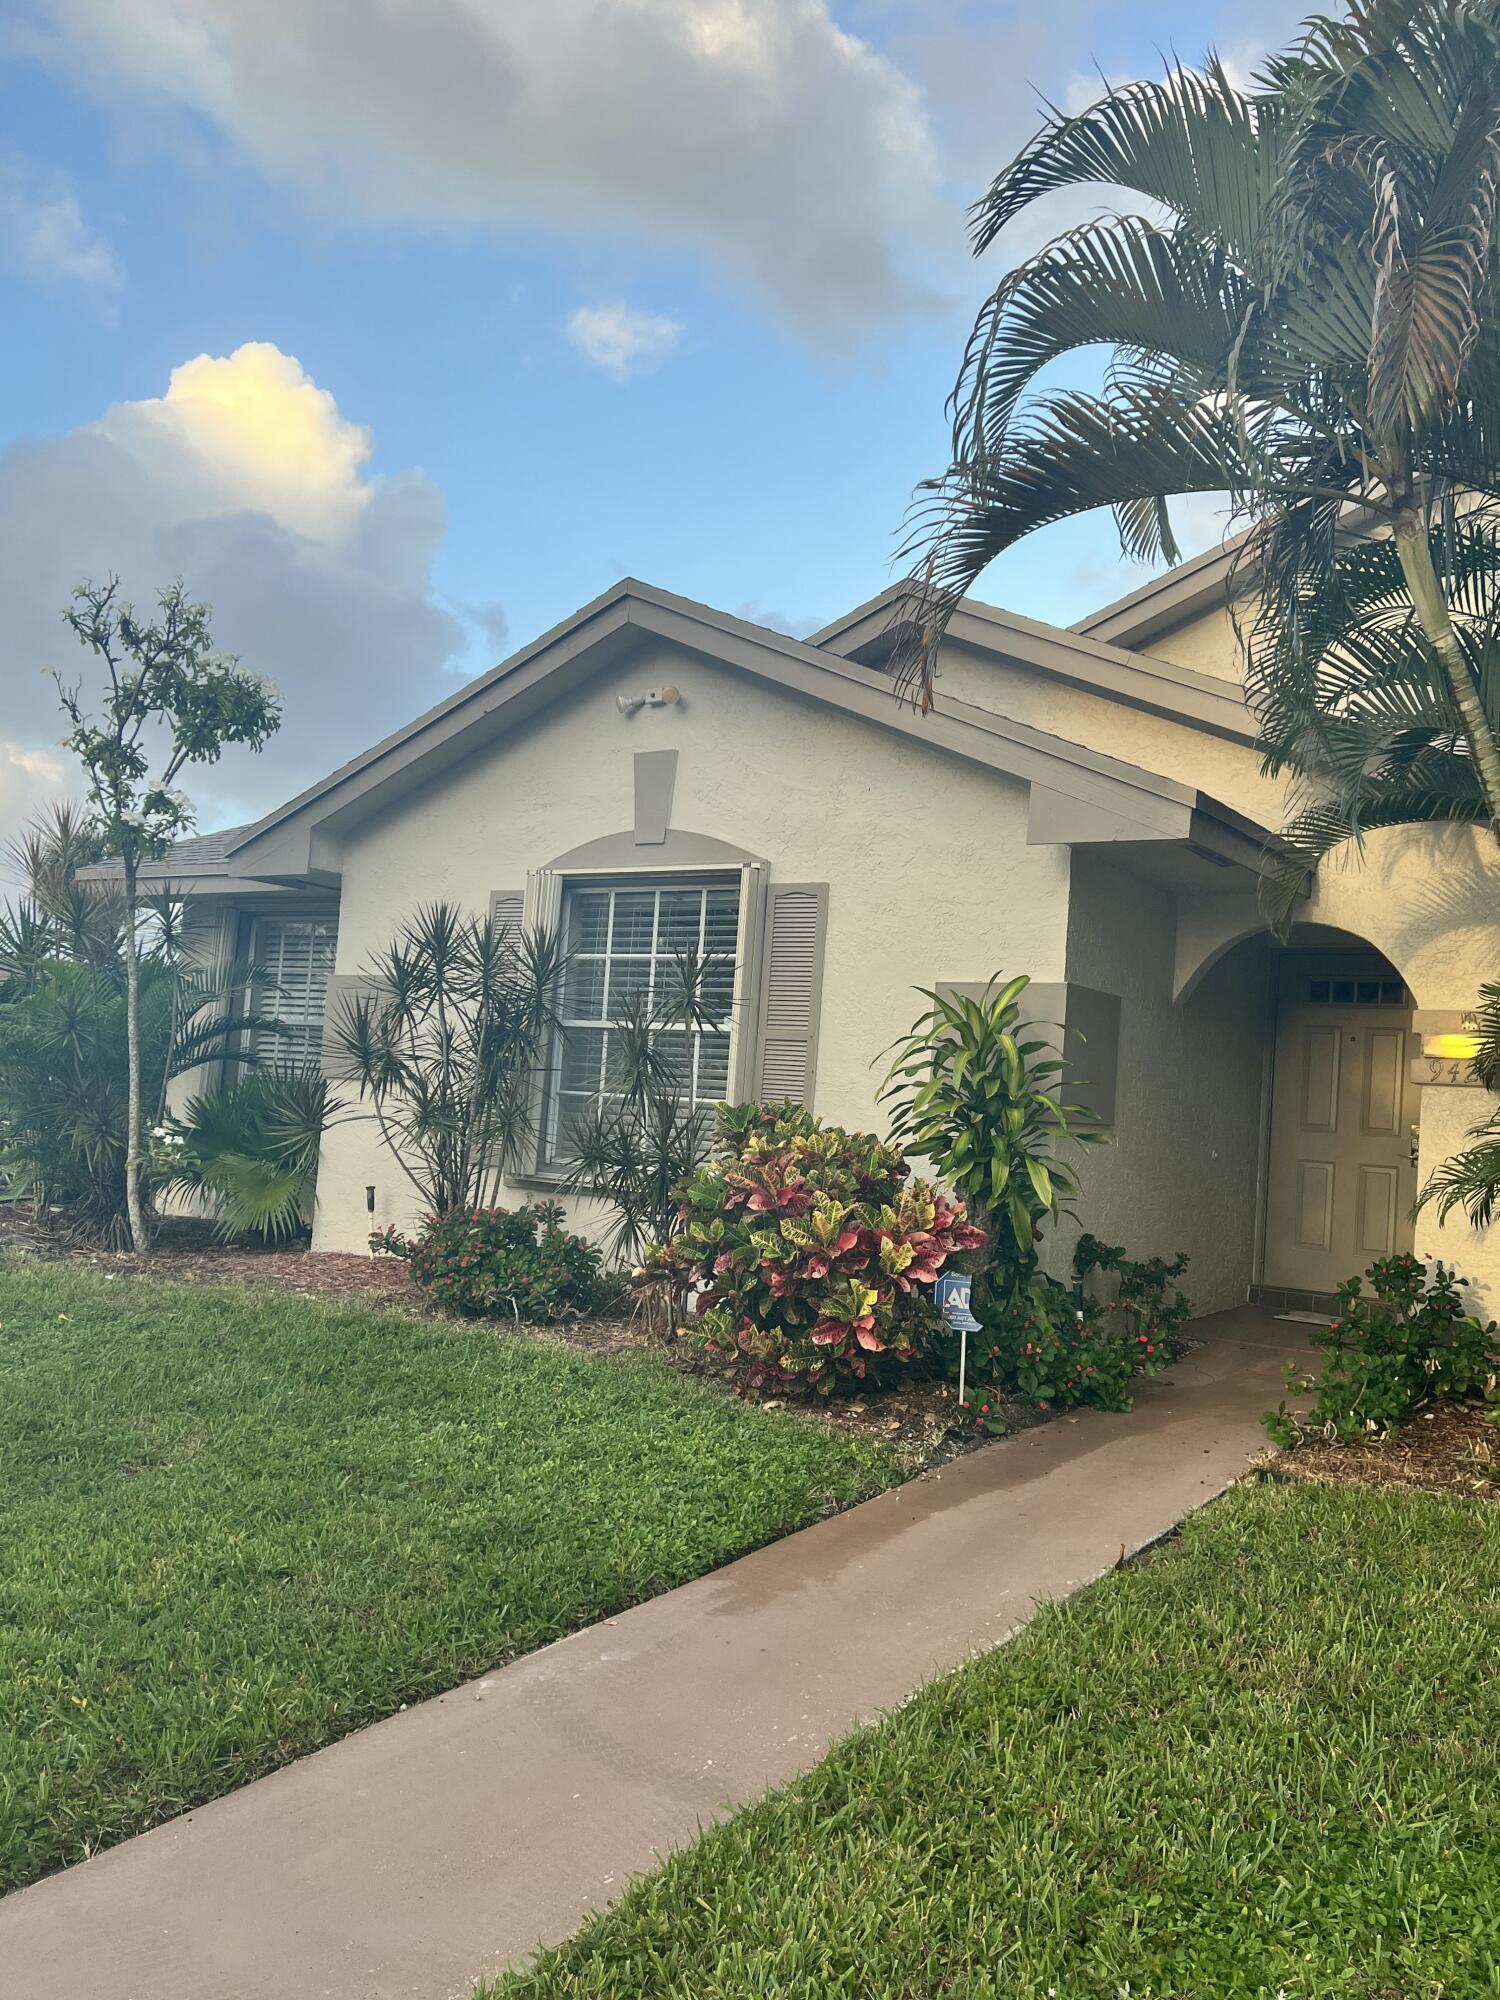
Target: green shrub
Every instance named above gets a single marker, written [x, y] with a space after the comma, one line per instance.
[1388, 1354]
[1139, 1294]
[250, 1151]
[810, 1251]
[1056, 1349]
[517, 1263]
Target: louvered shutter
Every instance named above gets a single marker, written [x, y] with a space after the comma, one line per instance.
[345, 990]
[792, 990]
[507, 908]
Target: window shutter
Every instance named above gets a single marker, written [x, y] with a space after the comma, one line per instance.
[792, 990]
[345, 990]
[507, 909]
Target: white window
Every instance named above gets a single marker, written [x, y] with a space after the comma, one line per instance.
[625, 946]
[294, 960]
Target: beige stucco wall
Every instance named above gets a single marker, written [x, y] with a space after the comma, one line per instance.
[1181, 1169]
[1227, 771]
[1208, 643]
[926, 858]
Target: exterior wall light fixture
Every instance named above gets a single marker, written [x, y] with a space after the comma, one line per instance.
[663, 697]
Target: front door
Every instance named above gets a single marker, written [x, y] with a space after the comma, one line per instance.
[1342, 1176]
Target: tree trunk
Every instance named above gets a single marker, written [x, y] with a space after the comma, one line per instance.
[133, 1210]
[1415, 554]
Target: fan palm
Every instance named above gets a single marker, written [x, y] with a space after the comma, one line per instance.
[1307, 319]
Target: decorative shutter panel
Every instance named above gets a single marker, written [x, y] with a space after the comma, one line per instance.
[344, 990]
[792, 990]
[508, 908]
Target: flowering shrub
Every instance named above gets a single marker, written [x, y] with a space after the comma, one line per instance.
[1388, 1354]
[809, 1249]
[515, 1262]
[1053, 1351]
[1150, 1319]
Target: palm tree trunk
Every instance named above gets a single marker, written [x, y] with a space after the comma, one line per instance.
[1414, 552]
[133, 1209]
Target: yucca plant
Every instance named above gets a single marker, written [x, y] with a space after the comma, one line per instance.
[648, 1136]
[977, 1092]
[1306, 319]
[448, 1049]
[249, 1151]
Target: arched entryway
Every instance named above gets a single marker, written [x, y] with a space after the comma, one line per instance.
[1341, 1127]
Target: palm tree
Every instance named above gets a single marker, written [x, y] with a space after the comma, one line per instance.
[1306, 319]
[1472, 1179]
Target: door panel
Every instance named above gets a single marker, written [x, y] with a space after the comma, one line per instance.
[1341, 1180]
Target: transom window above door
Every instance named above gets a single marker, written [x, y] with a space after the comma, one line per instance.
[626, 948]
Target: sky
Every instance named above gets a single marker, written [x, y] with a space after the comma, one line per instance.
[399, 329]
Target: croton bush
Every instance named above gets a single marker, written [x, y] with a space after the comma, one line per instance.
[810, 1250]
[512, 1263]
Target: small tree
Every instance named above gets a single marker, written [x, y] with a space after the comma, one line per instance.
[979, 1102]
[168, 693]
[449, 1047]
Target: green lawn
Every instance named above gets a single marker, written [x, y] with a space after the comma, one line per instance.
[235, 1524]
[1262, 1762]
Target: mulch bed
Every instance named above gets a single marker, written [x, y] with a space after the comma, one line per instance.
[1452, 1448]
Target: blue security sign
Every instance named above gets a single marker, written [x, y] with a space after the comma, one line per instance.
[951, 1295]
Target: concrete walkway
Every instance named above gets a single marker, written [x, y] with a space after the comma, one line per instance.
[405, 1861]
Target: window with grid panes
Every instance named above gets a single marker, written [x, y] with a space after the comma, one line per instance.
[622, 943]
[294, 960]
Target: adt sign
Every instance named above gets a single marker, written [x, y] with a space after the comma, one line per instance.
[951, 1294]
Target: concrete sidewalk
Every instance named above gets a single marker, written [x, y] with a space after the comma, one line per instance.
[405, 1861]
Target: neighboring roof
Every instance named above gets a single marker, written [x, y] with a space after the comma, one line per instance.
[1193, 587]
[1181, 694]
[298, 841]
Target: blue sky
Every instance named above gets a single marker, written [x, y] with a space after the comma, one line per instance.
[585, 287]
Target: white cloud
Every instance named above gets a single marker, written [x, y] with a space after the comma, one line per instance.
[758, 132]
[622, 341]
[245, 479]
[30, 780]
[42, 231]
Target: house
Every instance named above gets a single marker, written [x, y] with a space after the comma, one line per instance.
[1085, 806]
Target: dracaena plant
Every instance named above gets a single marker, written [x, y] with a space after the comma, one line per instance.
[1305, 315]
[975, 1090]
[447, 1049]
[810, 1250]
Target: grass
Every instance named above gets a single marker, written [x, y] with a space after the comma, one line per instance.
[236, 1525]
[1262, 1762]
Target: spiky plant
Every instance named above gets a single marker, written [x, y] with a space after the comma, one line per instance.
[448, 1049]
[250, 1151]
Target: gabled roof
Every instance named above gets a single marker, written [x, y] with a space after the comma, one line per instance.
[1193, 587]
[1077, 794]
[1076, 657]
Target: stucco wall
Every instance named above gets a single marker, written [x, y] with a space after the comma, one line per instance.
[926, 857]
[1227, 771]
[1209, 643]
[1181, 1167]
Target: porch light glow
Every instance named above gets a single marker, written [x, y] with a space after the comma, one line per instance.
[1452, 1048]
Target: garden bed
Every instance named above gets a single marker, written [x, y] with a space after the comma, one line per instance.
[1452, 1448]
